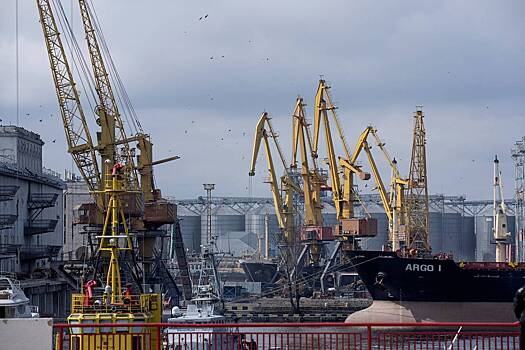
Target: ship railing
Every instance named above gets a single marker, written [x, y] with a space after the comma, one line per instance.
[100, 303]
[288, 336]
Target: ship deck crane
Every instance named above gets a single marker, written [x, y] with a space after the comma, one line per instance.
[500, 229]
[113, 145]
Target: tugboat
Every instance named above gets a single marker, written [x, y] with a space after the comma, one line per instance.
[13, 301]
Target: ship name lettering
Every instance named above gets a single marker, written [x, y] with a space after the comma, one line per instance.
[422, 267]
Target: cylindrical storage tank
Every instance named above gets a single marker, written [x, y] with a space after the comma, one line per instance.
[452, 231]
[224, 219]
[485, 245]
[435, 231]
[190, 226]
[255, 224]
[468, 239]
[485, 251]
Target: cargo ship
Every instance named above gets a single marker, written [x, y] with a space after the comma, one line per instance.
[264, 271]
[436, 289]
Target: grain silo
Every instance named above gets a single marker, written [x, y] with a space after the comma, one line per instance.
[255, 224]
[224, 219]
[485, 246]
[190, 226]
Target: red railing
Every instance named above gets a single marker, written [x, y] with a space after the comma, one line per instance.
[289, 336]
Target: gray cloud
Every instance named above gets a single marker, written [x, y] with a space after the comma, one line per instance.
[464, 61]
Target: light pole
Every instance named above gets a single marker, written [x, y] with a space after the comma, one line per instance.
[209, 188]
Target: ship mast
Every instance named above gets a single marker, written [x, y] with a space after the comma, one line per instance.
[499, 213]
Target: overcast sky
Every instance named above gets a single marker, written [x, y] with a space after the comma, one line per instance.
[464, 61]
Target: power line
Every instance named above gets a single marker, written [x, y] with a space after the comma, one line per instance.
[17, 64]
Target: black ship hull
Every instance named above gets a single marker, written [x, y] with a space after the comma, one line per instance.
[260, 270]
[432, 290]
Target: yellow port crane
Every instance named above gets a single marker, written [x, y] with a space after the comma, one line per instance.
[313, 233]
[343, 191]
[398, 187]
[284, 210]
[417, 239]
[144, 206]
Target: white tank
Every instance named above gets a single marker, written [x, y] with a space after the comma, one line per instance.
[224, 219]
[190, 225]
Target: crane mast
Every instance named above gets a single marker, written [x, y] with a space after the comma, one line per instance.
[417, 197]
[80, 144]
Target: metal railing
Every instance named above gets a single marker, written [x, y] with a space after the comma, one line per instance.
[288, 336]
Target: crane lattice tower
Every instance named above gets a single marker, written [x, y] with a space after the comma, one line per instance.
[417, 197]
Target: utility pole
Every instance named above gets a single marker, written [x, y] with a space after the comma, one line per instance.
[209, 238]
[417, 198]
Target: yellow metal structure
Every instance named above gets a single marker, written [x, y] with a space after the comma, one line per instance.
[312, 180]
[417, 197]
[344, 195]
[284, 210]
[113, 306]
[143, 203]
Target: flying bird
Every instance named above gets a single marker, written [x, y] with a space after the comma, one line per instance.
[206, 16]
[54, 141]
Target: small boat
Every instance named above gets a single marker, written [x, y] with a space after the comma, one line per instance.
[13, 301]
[189, 330]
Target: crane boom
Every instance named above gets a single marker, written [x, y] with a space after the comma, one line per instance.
[379, 182]
[283, 211]
[262, 135]
[312, 180]
[323, 103]
[112, 127]
[80, 144]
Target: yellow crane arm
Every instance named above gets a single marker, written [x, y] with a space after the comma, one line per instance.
[360, 144]
[379, 182]
[381, 145]
[262, 135]
[112, 126]
[311, 178]
[323, 103]
[80, 144]
[337, 193]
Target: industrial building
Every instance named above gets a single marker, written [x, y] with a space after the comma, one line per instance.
[75, 194]
[31, 219]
